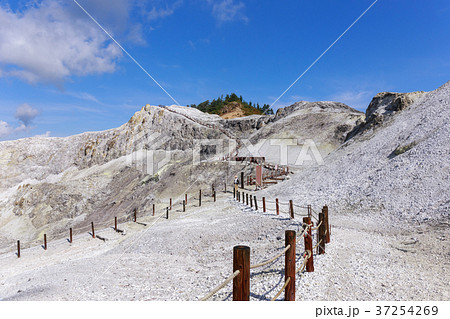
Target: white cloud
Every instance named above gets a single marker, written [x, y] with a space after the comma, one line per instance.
[159, 11]
[26, 114]
[46, 134]
[5, 129]
[228, 10]
[49, 43]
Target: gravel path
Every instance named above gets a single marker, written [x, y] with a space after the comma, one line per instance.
[185, 257]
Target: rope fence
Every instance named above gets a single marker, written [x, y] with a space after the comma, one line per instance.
[241, 287]
[114, 223]
[241, 254]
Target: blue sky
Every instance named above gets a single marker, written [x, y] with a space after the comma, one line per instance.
[60, 74]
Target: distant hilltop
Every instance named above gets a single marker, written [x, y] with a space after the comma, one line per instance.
[231, 107]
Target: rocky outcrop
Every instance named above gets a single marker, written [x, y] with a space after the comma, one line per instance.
[325, 124]
[381, 109]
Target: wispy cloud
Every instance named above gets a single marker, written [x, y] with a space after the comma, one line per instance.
[160, 10]
[228, 10]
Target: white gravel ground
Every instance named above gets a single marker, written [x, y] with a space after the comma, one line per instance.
[185, 257]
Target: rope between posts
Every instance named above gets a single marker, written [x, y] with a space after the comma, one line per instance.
[306, 207]
[271, 260]
[317, 244]
[281, 290]
[317, 227]
[230, 278]
[302, 267]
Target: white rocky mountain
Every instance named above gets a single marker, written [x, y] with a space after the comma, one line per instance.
[394, 159]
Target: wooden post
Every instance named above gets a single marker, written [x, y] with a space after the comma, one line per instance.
[70, 236]
[185, 198]
[115, 223]
[277, 206]
[153, 209]
[184, 206]
[246, 199]
[242, 180]
[291, 208]
[135, 215]
[18, 249]
[225, 187]
[321, 232]
[167, 212]
[309, 245]
[214, 196]
[234, 192]
[264, 204]
[289, 268]
[256, 202]
[251, 200]
[243, 198]
[327, 226]
[45, 241]
[170, 204]
[200, 198]
[93, 230]
[309, 211]
[241, 283]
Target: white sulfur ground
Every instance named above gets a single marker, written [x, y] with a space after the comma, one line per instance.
[186, 256]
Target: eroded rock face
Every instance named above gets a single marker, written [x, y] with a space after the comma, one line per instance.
[381, 109]
[49, 184]
[325, 124]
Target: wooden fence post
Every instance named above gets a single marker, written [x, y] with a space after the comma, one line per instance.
[277, 206]
[243, 197]
[170, 204]
[45, 241]
[115, 223]
[153, 209]
[200, 198]
[185, 198]
[214, 196]
[309, 244]
[167, 212]
[225, 187]
[135, 215]
[93, 230]
[251, 200]
[241, 283]
[242, 180]
[289, 268]
[256, 202]
[264, 204]
[309, 211]
[184, 206]
[234, 192]
[327, 226]
[70, 236]
[321, 234]
[291, 208]
[18, 249]
[246, 200]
